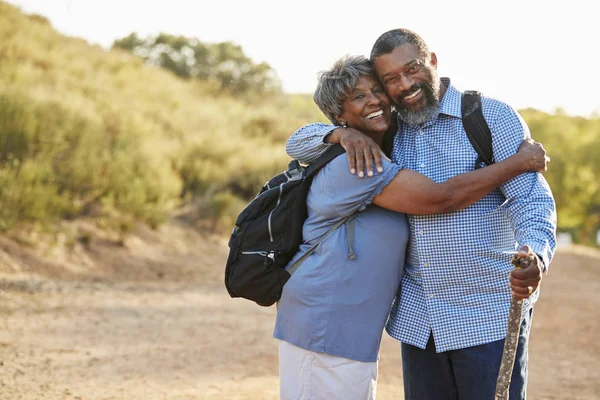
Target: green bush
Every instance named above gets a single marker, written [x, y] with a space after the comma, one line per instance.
[81, 126]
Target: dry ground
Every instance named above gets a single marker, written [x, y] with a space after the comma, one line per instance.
[150, 319]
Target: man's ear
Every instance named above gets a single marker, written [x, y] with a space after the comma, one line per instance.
[433, 60]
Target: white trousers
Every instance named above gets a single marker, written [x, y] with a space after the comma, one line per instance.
[307, 375]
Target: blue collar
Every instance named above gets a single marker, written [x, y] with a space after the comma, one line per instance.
[451, 102]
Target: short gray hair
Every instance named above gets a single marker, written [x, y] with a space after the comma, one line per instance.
[335, 83]
[390, 40]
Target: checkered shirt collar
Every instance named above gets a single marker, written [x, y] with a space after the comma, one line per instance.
[451, 102]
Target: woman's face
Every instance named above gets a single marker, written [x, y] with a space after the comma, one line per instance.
[367, 107]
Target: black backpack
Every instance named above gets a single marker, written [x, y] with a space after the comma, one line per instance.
[268, 233]
[476, 127]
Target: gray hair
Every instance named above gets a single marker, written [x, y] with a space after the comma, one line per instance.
[390, 40]
[334, 84]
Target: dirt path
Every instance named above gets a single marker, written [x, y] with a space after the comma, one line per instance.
[186, 339]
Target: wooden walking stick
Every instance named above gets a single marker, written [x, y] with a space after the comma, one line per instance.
[512, 334]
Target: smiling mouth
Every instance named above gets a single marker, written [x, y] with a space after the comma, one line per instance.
[374, 114]
[412, 95]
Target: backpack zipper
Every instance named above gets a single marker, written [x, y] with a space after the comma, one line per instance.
[262, 253]
[269, 256]
[273, 210]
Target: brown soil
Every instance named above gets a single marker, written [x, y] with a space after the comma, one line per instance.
[148, 318]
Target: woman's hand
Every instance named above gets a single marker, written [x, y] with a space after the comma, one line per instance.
[534, 156]
[363, 152]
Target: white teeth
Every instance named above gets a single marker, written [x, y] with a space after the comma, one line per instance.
[375, 114]
[411, 96]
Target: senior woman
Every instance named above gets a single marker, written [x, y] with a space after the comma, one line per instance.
[332, 312]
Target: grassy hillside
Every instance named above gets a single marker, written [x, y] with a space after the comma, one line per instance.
[82, 128]
[90, 132]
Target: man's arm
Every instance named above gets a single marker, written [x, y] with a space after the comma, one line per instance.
[311, 141]
[307, 143]
[413, 193]
[530, 205]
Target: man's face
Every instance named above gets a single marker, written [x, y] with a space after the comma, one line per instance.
[411, 82]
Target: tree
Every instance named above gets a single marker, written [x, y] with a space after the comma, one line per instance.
[224, 63]
[574, 172]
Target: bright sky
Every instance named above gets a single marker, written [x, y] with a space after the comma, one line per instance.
[528, 53]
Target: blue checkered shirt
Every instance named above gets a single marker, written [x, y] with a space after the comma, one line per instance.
[455, 282]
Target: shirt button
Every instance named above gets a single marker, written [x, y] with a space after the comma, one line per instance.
[432, 295]
[422, 165]
[426, 265]
[421, 232]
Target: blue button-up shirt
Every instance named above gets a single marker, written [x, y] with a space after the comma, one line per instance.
[456, 271]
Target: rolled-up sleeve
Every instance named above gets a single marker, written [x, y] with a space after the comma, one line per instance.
[347, 193]
[307, 143]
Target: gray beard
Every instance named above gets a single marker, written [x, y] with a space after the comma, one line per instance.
[431, 110]
[422, 116]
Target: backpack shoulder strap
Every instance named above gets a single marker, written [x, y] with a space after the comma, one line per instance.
[312, 170]
[476, 127]
[320, 162]
[346, 220]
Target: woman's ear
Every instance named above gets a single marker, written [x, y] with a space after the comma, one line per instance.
[340, 120]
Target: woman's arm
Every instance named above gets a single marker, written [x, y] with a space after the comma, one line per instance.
[413, 193]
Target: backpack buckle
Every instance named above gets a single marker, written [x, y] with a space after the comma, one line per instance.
[295, 170]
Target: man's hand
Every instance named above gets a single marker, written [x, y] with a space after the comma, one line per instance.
[525, 281]
[534, 155]
[361, 149]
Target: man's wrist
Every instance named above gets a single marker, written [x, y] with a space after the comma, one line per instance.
[522, 163]
[335, 136]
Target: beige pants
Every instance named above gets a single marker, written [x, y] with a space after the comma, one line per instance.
[307, 375]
